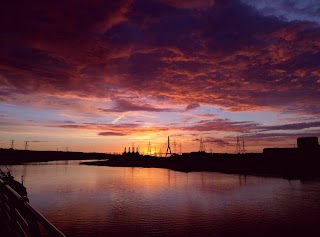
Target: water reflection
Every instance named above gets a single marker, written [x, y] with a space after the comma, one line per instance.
[111, 201]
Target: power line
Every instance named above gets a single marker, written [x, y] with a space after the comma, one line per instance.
[174, 146]
[149, 149]
[26, 145]
[201, 147]
[238, 145]
[243, 147]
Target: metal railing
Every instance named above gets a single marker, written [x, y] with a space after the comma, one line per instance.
[19, 218]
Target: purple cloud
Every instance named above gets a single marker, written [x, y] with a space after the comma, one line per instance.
[219, 53]
[111, 134]
[125, 105]
[218, 142]
[192, 106]
[292, 126]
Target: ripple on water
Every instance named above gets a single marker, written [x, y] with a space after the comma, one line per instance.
[111, 201]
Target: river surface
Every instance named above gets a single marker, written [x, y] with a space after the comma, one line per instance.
[115, 201]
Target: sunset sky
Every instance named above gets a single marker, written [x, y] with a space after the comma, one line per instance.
[98, 75]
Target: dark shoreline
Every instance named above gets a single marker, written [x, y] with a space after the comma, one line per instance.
[300, 166]
[244, 164]
[14, 157]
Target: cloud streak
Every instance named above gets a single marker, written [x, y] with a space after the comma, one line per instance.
[119, 118]
[246, 128]
[292, 127]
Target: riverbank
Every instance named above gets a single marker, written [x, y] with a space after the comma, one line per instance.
[300, 166]
[12, 157]
[254, 164]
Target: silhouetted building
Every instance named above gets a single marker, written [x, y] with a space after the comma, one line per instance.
[131, 153]
[307, 142]
[308, 147]
[280, 152]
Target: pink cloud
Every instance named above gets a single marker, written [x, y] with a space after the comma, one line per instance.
[122, 105]
[164, 54]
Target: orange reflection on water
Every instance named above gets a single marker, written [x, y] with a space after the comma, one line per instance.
[114, 201]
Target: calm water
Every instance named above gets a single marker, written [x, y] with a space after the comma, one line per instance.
[110, 201]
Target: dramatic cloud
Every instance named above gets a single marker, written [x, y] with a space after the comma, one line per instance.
[307, 10]
[122, 129]
[103, 60]
[223, 125]
[247, 126]
[276, 139]
[229, 55]
[246, 129]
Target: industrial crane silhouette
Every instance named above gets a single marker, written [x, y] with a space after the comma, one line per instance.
[168, 148]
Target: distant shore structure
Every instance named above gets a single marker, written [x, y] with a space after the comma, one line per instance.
[307, 142]
[201, 146]
[309, 145]
[240, 145]
[132, 151]
[168, 148]
[26, 145]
